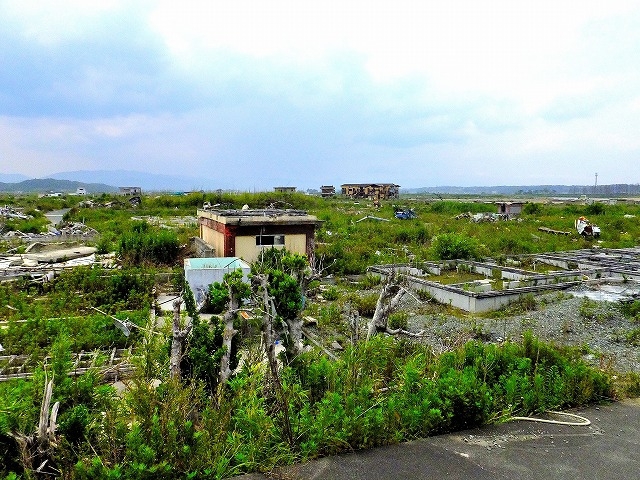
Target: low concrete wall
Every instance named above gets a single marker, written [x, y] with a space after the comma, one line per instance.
[202, 249]
[477, 301]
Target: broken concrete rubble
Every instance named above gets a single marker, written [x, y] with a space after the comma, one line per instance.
[41, 261]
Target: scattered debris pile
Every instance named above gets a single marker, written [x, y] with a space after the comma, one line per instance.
[8, 211]
[74, 228]
[482, 217]
[41, 261]
[132, 202]
[586, 228]
[68, 229]
[405, 213]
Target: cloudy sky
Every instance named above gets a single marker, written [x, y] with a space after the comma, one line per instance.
[253, 94]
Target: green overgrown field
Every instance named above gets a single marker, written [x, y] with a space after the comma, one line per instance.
[350, 245]
[375, 392]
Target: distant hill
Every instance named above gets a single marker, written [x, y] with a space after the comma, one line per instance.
[148, 181]
[45, 185]
[600, 190]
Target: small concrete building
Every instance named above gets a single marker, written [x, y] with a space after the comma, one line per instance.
[202, 272]
[130, 190]
[510, 209]
[245, 233]
[372, 191]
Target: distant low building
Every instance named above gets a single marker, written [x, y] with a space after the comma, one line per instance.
[510, 209]
[81, 191]
[246, 233]
[372, 191]
[284, 189]
[130, 190]
[327, 191]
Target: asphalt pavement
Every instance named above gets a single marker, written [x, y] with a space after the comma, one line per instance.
[608, 448]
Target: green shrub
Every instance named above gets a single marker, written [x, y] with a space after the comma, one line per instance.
[218, 298]
[366, 304]
[595, 208]
[631, 309]
[532, 208]
[330, 294]
[144, 245]
[398, 320]
[451, 246]
[633, 337]
[369, 281]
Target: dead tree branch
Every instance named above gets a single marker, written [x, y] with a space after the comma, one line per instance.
[177, 342]
[228, 334]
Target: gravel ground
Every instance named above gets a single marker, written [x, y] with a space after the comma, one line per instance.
[563, 319]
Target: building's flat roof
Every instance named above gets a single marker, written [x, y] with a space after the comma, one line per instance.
[231, 263]
[259, 216]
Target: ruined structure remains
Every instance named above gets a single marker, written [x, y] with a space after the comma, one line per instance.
[130, 191]
[372, 191]
[499, 285]
[327, 191]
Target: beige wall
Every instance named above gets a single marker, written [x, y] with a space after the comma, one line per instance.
[296, 243]
[213, 238]
[247, 250]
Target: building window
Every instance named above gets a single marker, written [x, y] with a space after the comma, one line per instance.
[269, 240]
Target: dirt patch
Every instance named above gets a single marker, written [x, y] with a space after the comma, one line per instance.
[598, 327]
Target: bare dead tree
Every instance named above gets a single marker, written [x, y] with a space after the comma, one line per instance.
[389, 299]
[268, 315]
[177, 342]
[317, 269]
[353, 320]
[37, 450]
[228, 334]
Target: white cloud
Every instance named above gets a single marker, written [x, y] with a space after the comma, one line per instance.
[424, 91]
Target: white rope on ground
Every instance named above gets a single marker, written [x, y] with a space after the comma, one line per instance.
[582, 421]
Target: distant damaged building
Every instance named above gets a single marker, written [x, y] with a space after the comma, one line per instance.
[372, 191]
[327, 191]
[284, 189]
[132, 191]
[246, 233]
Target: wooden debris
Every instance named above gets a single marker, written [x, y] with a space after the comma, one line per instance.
[553, 232]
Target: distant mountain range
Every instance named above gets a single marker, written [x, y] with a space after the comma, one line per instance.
[98, 181]
[12, 177]
[128, 178]
[46, 185]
